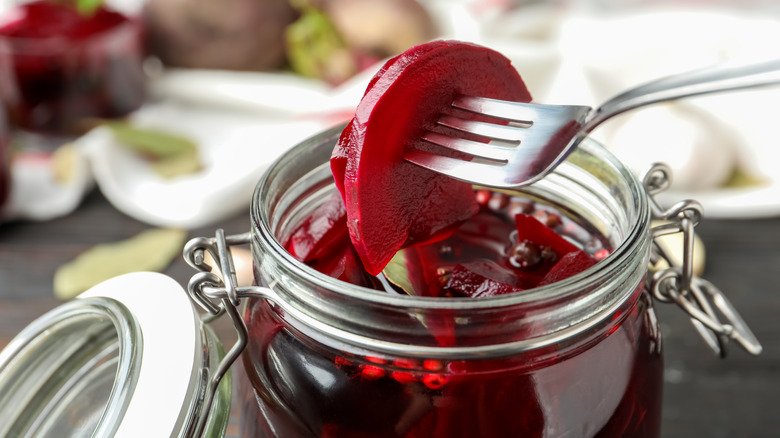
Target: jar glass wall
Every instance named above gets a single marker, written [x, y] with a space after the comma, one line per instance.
[61, 372]
[129, 357]
[64, 66]
[581, 356]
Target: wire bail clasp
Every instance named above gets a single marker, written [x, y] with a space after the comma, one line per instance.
[678, 284]
[217, 295]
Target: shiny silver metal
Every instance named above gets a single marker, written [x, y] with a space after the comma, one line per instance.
[226, 303]
[216, 290]
[528, 140]
[678, 284]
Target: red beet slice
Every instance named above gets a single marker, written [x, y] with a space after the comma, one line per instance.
[418, 271]
[322, 232]
[322, 242]
[339, 157]
[571, 264]
[481, 279]
[531, 229]
[344, 265]
[387, 197]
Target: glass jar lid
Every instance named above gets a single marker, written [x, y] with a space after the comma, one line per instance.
[126, 358]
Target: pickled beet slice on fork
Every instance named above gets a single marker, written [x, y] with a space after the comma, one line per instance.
[385, 196]
[340, 156]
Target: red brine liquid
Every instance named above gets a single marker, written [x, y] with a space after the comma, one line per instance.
[68, 65]
[609, 386]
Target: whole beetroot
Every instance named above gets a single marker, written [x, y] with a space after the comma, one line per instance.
[219, 34]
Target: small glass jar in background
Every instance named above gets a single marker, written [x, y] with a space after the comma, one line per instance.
[67, 65]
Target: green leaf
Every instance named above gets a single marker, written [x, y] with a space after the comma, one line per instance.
[740, 178]
[150, 250]
[181, 164]
[397, 273]
[315, 48]
[169, 155]
[88, 7]
[151, 142]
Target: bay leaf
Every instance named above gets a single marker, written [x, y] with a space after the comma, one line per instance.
[150, 250]
[153, 143]
[170, 155]
[740, 179]
[181, 164]
[398, 274]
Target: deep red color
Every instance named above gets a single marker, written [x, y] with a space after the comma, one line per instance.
[472, 260]
[570, 264]
[449, 242]
[44, 19]
[294, 388]
[68, 66]
[607, 387]
[389, 201]
[481, 279]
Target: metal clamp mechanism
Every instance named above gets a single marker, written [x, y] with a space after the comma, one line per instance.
[217, 295]
[677, 283]
[220, 294]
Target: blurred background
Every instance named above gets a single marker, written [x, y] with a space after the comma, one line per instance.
[259, 76]
[127, 115]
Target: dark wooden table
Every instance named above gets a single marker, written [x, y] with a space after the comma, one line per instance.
[704, 396]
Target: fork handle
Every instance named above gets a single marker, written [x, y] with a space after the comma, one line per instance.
[697, 82]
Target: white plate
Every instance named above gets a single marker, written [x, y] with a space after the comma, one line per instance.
[241, 123]
[733, 203]
[234, 148]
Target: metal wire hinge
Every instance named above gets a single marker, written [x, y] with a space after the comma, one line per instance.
[677, 284]
[217, 295]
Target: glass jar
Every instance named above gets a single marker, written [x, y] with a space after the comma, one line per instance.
[128, 358]
[324, 358]
[581, 357]
[65, 66]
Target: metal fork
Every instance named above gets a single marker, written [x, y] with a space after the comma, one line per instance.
[528, 140]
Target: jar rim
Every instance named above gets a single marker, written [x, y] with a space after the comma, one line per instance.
[555, 291]
[151, 326]
[89, 317]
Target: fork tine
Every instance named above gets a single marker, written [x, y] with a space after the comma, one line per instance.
[519, 112]
[511, 111]
[474, 148]
[469, 171]
[487, 130]
[520, 152]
